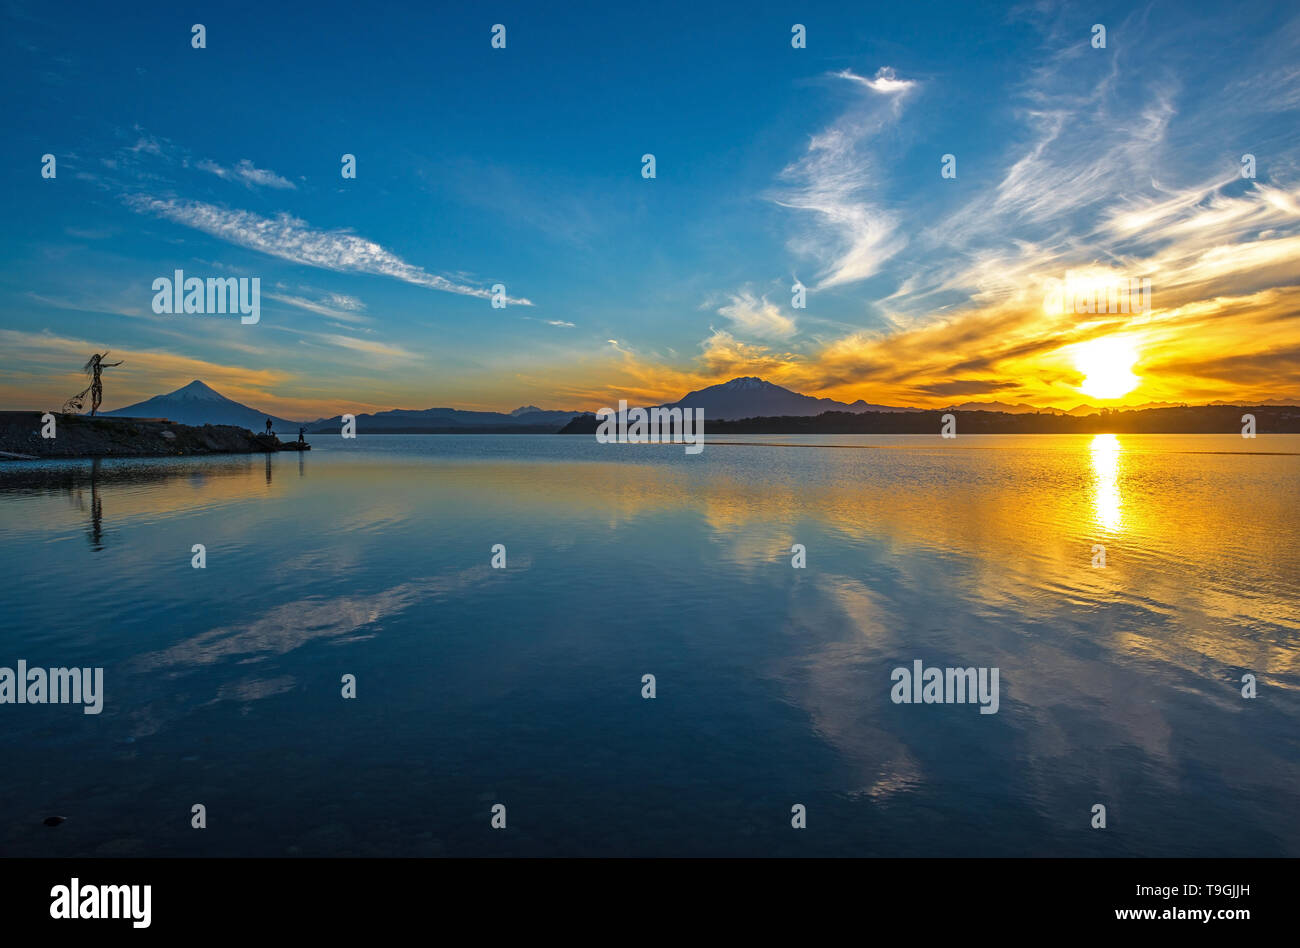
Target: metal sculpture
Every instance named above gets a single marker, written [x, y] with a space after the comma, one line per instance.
[93, 367]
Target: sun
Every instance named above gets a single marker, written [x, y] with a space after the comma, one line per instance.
[1107, 366]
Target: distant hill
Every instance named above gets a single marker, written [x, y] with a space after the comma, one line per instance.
[451, 420]
[751, 397]
[198, 404]
[747, 397]
[1019, 408]
[1203, 419]
[745, 404]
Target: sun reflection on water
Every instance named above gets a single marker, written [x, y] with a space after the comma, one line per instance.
[1105, 465]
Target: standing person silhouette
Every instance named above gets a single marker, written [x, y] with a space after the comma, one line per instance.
[268, 426]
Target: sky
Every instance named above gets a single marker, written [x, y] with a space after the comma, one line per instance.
[1075, 165]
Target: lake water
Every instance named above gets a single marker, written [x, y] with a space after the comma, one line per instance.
[1119, 685]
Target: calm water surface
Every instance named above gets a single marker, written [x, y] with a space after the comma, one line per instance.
[1119, 686]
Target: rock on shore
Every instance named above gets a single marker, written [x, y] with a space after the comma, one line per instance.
[80, 436]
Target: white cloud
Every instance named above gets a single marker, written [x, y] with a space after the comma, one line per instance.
[292, 239]
[340, 301]
[364, 345]
[851, 236]
[323, 309]
[885, 81]
[757, 317]
[248, 173]
[147, 144]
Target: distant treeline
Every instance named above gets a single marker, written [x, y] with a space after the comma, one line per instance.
[1205, 419]
[446, 429]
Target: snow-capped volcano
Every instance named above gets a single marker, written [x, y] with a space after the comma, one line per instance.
[200, 404]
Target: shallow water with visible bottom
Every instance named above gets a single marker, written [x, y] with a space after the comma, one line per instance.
[1119, 685]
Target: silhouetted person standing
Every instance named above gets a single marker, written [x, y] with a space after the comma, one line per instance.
[268, 426]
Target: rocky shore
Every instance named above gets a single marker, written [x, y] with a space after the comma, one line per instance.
[79, 436]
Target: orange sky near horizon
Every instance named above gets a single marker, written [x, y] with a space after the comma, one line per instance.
[1198, 341]
[1233, 349]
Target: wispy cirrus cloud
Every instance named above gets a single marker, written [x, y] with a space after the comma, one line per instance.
[1110, 163]
[850, 235]
[295, 240]
[366, 346]
[248, 173]
[147, 144]
[560, 323]
[329, 307]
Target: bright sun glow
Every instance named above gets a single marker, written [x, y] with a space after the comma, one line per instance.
[1107, 365]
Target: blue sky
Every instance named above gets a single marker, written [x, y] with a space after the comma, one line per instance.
[523, 166]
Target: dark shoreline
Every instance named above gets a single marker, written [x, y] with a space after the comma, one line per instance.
[80, 436]
[1205, 419]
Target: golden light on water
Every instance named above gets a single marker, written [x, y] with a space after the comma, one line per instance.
[1105, 468]
[1107, 366]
